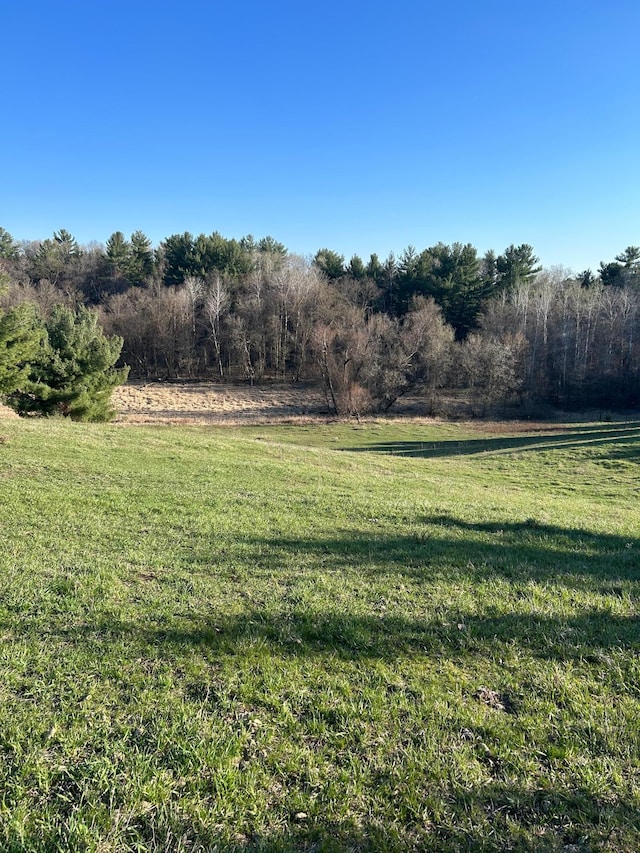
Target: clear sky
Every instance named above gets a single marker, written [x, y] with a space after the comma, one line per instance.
[356, 125]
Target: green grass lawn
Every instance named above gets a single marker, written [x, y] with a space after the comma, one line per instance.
[322, 638]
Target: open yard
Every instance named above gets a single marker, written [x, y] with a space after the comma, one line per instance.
[319, 637]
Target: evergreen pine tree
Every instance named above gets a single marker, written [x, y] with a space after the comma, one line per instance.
[72, 373]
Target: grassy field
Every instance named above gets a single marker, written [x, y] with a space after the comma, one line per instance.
[319, 638]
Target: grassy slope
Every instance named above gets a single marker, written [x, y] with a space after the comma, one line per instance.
[216, 639]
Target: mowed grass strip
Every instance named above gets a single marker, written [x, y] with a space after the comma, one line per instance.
[301, 638]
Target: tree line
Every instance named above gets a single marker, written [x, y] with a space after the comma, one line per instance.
[495, 327]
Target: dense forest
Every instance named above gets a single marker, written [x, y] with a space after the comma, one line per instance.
[495, 328]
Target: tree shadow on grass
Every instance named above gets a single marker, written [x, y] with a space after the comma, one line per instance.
[442, 546]
[444, 549]
[590, 636]
[614, 434]
[526, 560]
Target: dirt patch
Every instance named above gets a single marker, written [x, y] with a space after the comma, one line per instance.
[6, 413]
[207, 403]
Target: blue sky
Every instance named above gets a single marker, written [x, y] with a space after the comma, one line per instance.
[359, 126]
